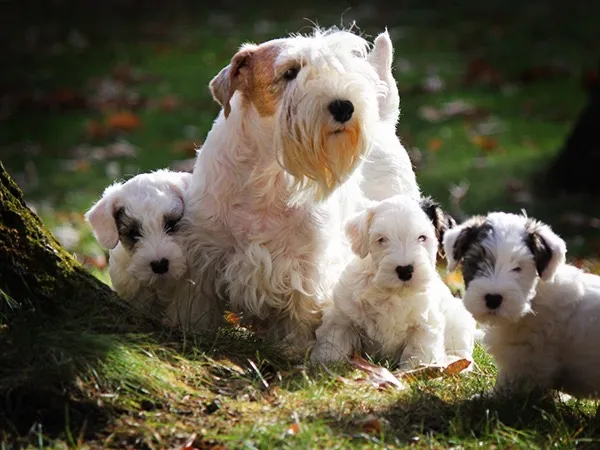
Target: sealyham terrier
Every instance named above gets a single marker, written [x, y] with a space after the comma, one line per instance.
[280, 172]
[541, 316]
[139, 221]
[390, 300]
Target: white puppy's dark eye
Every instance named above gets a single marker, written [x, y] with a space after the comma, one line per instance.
[422, 238]
[291, 73]
[382, 240]
[134, 234]
[516, 269]
[171, 225]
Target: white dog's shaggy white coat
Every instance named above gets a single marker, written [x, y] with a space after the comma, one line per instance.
[390, 299]
[541, 315]
[138, 221]
[277, 177]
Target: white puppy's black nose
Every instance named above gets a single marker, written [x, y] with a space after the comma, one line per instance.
[405, 272]
[493, 301]
[341, 110]
[160, 266]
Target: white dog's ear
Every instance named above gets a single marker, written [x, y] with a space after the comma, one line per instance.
[179, 182]
[381, 57]
[357, 231]
[101, 217]
[231, 78]
[548, 249]
[442, 221]
[459, 239]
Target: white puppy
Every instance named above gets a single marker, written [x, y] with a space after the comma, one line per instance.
[391, 299]
[278, 176]
[541, 316]
[138, 220]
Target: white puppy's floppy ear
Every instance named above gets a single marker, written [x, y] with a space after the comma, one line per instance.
[179, 183]
[101, 217]
[381, 57]
[548, 249]
[357, 231]
[458, 240]
[231, 78]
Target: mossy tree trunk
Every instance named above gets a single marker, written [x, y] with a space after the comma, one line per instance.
[36, 273]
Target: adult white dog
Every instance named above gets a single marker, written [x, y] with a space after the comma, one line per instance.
[541, 316]
[390, 300]
[277, 176]
[138, 221]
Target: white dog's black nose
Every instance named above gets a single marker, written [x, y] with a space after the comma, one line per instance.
[160, 265]
[405, 272]
[493, 301]
[341, 110]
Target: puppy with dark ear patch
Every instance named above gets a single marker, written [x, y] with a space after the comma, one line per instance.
[539, 313]
[442, 221]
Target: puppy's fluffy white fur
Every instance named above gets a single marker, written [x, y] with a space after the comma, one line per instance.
[138, 221]
[541, 316]
[279, 174]
[379, 309]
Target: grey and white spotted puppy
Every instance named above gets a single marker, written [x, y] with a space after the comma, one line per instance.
[138, 221]
[541, 316]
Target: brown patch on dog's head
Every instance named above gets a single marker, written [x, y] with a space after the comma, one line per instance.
[252, 72]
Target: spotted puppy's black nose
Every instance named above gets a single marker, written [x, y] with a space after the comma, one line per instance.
[493, 301]
[160, 266]
[405, 272]
[341, 110]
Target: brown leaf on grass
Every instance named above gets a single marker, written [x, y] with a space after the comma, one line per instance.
[232, 318]
[486, 143]
[293, 429]
[378, 376]
[435, 144]
[431, 371]
[124, 121]
[371, 424]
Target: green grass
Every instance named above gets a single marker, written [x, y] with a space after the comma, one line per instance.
[75, 380]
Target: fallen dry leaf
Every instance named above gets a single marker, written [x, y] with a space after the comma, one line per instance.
[431, 371]
[293, 429]
[371, 425]
[378, 376]
[486, 143]
[232, 318]
[124, 121]
[435, 144]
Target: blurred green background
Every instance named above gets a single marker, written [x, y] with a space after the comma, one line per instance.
[92, 92]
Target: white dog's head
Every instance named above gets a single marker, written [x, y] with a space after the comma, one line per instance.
[503, 256]
[401, 236]
[142, 215]
[313, 100]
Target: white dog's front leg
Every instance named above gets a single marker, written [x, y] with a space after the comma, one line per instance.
[336, 339]
[425, 345]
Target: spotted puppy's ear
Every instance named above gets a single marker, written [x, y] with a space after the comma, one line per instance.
[357, 231]
[101, 216]
[548, 249]
[459, 239]
[232, 77]
[442, 221]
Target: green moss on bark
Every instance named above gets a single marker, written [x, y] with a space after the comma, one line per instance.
[35, 271]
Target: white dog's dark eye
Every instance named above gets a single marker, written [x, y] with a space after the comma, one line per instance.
[134, 234]
[291, 73]
[171, 225]
[422, 238]
[516, 269]
[382, 240]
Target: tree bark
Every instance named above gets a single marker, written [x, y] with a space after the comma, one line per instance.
[575, 170]
[36, 273]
